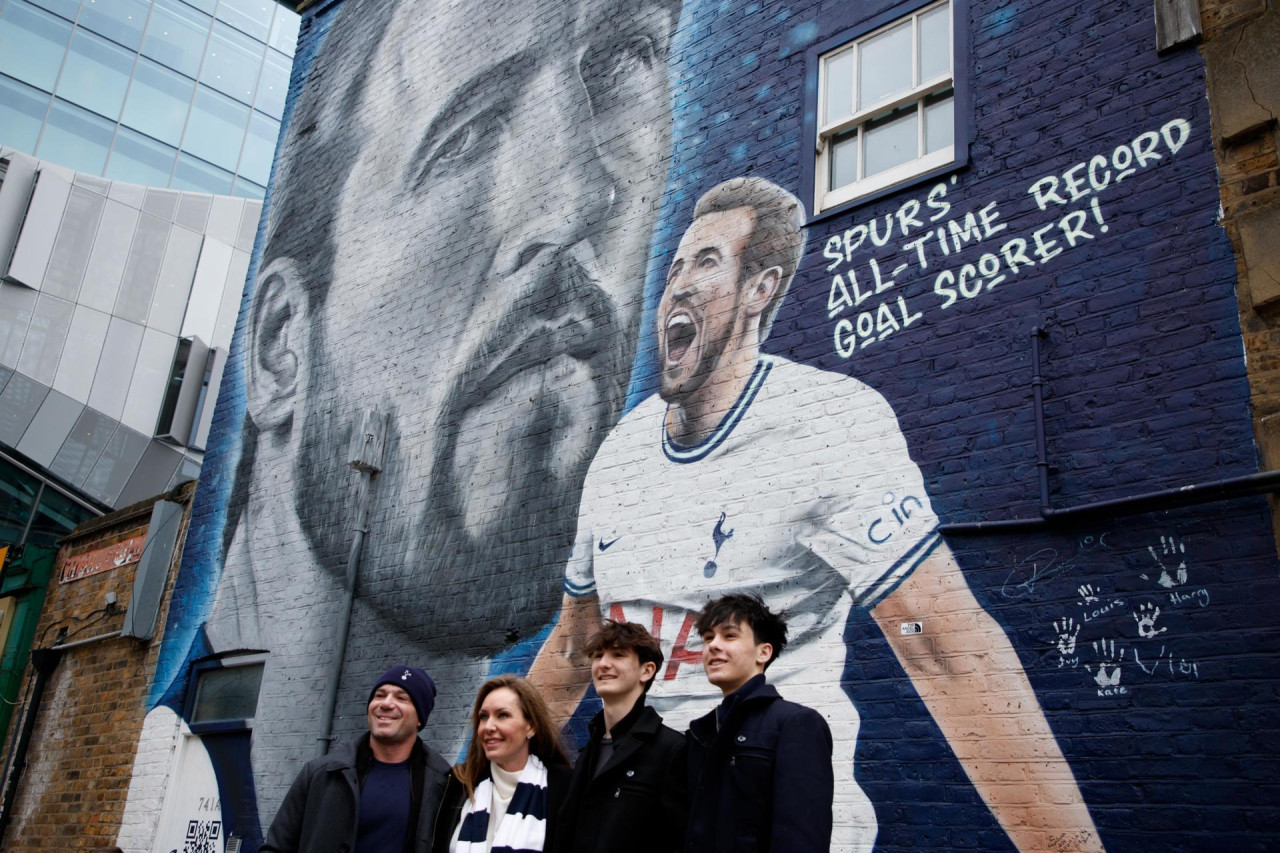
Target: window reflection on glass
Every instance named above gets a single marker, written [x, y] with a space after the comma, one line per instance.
[215, 130]
[158, 102]
[177, 36]
[259, 147]
[284, 31]
[884, 65]
[119, 20]
[839, 71]
[248, 189]
[22, 110]
[65, 8]
[935, 43]
[891, 140]
[96, 74]
[138, 159]
[75, 138]
[939, 121]
[232, 63]
[249, 16]
[274, 84]
[17, 499]
[32, 43]
[227, 694]
[844, 159]
[193, 174]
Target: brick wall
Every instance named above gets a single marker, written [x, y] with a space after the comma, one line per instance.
[72, 794]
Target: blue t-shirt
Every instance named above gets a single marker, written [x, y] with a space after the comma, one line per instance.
[384, 808]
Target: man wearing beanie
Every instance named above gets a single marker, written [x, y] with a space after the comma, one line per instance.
[377, 794]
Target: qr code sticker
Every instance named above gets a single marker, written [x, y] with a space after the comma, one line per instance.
[203, 836]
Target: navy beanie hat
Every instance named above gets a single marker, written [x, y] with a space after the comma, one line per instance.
[415, 682]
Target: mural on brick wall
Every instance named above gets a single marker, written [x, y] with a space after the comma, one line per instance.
[567, 253]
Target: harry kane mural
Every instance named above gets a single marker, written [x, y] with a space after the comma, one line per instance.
[560, 248]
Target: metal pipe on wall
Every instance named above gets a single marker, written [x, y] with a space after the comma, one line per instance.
[45, 661]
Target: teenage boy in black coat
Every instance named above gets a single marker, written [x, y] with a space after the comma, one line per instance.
[759, 766]
[628, 788]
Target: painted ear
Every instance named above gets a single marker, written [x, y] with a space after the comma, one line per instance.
[279, 345]
[761, 290]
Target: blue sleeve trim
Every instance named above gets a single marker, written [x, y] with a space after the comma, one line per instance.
[902, 569]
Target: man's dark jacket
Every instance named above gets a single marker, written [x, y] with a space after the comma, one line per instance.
[320, 813]
[760, 776]
[637, 803]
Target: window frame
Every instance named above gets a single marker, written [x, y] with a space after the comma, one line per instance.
[198, 668]
[822, 201]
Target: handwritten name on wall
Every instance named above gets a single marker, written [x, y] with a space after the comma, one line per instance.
[865, 299]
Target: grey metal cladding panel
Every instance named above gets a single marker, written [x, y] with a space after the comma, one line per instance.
[201, 317]
[5, 373]
[99, 185]
[158, 465]
[81, 354]
[15, 194]
[50, 427]
[232, 295]
[35, 242]
[204, 415]
[110, 252]
[115, 368]
[134, 195]
[161, 203]
[17, 304]
[75, 242]
[116, 465]
[224, 219]
[189, 470]
[45, 338]
[193, 211]
[169, 303]
[143, 268]
[83, 446]
[249, 225]
[153, 569]
[150, 378]
[18, 406]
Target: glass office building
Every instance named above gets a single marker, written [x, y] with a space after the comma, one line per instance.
[185, 94]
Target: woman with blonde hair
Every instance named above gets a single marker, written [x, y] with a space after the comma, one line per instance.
[506, 793]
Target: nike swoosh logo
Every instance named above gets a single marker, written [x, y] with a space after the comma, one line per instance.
[605, 546]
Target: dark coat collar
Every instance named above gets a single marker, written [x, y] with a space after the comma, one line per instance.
[729, 713]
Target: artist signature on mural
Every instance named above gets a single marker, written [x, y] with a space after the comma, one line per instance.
[1046, 563]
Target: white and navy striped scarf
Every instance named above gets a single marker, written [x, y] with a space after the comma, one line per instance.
[524, 827]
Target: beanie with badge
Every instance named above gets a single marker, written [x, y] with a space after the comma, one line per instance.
[415, 682]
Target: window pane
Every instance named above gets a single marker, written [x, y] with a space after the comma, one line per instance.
[248, 189]
[935, 43]
[215, 130]
[249, 16]
[274, 84]
[32, 44]
[839, 77]
[192, 174]
[939, 123]
[137, 159]
[96, 75]
[891, 140]
[76, 138]
[229, 693]
[17, 499]
[158, 102]
[177, 36]
[844, 159]
[232, 63]
[284, 31]
[22, 110]
[259, 148]
[56, 516]
[65, 8]
[118, 20]
[884, 65]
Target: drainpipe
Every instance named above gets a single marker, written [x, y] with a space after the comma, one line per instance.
[1163, 499]
[45, 661]
[366, 458]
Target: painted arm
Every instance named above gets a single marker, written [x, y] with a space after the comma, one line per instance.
[969, 676]
[560, 672]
